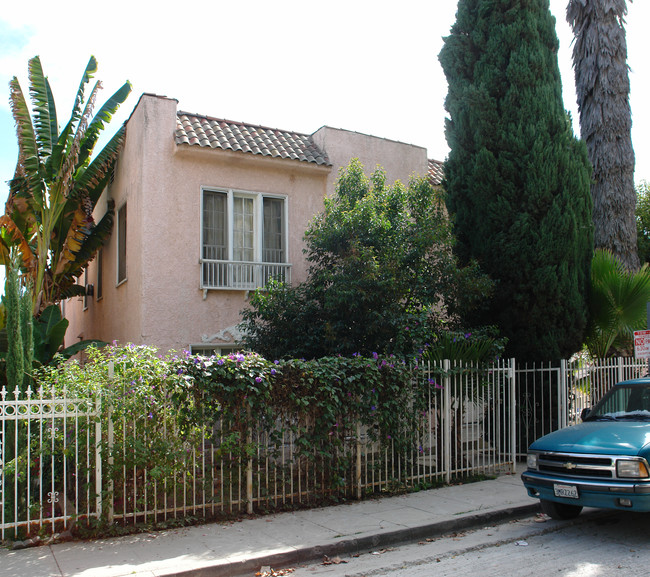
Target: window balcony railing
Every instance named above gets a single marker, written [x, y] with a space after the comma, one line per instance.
[233, 275]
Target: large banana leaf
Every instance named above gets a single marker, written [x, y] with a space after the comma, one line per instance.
[79, 229]
[102, 117]
[95, 177]
[45, 124]
[16, 238]
[49, 333]
[67, 133]
[29, 165]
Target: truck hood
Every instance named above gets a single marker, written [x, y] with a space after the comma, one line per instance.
[630, 438]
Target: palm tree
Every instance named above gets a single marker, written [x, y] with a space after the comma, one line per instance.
[49, 214]
[603, 89]
[617, 305]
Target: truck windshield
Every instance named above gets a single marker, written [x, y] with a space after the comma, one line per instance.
[623, 402]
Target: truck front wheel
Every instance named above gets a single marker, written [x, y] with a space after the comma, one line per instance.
[560, 511]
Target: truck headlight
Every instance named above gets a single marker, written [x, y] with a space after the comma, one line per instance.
[531, 460]
[631, 469]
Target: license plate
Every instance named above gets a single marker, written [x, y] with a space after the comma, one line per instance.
[567, 491]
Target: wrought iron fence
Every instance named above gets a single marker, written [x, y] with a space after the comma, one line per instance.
[550, 397]
[50, 468]
[66, 461]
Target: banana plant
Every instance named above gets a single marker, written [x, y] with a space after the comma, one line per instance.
[49, 213]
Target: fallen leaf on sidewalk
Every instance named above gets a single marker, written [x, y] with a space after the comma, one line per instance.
[268, 572]
[332, 561]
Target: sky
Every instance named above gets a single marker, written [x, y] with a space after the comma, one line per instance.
[369, 66]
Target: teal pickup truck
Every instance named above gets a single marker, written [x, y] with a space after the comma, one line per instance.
[602, 462]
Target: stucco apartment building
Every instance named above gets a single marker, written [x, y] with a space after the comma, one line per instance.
[206, 210]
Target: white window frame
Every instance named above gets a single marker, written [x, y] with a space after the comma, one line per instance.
[258, 223]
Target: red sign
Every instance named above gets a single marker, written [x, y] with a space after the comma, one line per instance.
[642, 344]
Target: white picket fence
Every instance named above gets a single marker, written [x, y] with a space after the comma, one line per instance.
[60, 464]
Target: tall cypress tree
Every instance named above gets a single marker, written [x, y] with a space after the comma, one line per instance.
[517, 178]
[15, 352]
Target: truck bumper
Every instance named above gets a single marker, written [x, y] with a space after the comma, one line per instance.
[610, 494]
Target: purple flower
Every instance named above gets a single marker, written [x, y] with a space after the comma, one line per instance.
[373, 408]
[375, 356]
[273, 371]
[258, 379]
[220, 361]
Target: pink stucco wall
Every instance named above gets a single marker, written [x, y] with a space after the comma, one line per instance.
[400, 161]
[161, 302]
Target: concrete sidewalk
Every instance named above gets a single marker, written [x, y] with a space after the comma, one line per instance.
[281, 540]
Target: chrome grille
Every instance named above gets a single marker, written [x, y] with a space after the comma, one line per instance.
[572, 465]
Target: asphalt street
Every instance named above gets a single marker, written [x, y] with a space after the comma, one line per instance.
[598, 543]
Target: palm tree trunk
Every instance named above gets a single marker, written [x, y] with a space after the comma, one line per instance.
[603, 89]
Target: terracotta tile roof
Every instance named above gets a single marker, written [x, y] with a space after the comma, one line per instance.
[436, 172]
[197, 130]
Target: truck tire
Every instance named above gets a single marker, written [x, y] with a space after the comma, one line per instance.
[560, 511]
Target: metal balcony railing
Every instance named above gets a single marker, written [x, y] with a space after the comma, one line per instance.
[228, 274]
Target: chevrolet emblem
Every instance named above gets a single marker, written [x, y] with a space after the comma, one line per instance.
[569, 465]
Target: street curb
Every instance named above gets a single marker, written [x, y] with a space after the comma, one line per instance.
[360, 545]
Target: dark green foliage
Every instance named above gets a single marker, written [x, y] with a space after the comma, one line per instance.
[478, 346]
[320, 402]
[643, 221]
[382, 276]
[26, 329]
[15, 352]
[617, 306]
[161, 407]
[49, 333]
[517, 178]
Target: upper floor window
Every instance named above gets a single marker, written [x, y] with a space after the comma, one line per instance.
[99, 290]
[243, 239]
[84, 283]
[121, 244]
